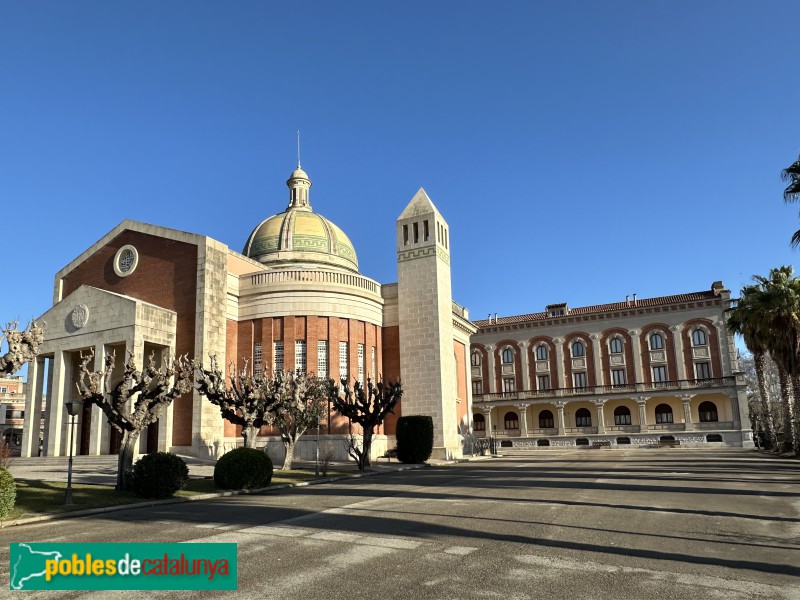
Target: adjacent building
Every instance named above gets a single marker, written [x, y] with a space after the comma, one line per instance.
[12, 409]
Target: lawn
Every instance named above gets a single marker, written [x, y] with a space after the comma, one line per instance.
[36, 497]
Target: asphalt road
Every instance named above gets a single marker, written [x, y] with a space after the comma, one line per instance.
[591, 524]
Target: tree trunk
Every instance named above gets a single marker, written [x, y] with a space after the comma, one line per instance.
[288, 446]
[766, 408]
[366, 449]
[796, 411]
[125, 461]
[786, 407]
[249, 433]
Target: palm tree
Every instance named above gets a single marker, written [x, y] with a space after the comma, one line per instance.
[747, 319]
[792, 191]
[781, 304]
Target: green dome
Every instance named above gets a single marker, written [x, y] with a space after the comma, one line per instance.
[300, 236]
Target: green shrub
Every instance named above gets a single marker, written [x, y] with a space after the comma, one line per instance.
[414, 438]
[243, 469]
[8, 492]
[159, 475]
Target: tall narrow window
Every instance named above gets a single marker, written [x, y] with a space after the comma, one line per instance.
[622, 415]
[405, 235]
[509, 385]
[699, 338]
[300, 357]
[416, 232]
[476, 359]
[543, 382]
[659, 374]
[578, 349]
[507, 356]
[477, 387]
[702, 370]
[361, 363]
[579, 379]
[257, 357]
[426, 234]
[583, 418]
[618, 376]
[541, 352]
[615, 346]
[278, 354]
[656, 342]
[343, 370]
[445, 239]
[663, 414]
[374, 373]
[322, 359]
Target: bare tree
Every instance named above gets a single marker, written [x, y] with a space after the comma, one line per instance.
[244, 403]
[21, 346]
[135, 402]
[368, 408]
[298, 402]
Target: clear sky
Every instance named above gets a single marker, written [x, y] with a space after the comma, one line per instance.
[581, 151]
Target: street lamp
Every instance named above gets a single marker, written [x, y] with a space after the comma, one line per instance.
[493, 443]
[73, 408]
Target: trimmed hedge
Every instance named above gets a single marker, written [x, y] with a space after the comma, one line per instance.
[243, 469]
[8, 492]
[414, 438]
[159, 475]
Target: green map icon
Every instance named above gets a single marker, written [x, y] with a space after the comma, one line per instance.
[27, 564]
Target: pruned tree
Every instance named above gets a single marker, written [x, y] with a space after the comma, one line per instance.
[242, 403]
[791, 175]
[298, 402]
[21, 346]
[368, 408]
[136, 401]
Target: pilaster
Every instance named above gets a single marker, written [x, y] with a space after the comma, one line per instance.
[642, 402]
[679, 361]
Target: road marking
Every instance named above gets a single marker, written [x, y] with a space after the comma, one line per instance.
[336, 536]
[459, 550]
[276, 530]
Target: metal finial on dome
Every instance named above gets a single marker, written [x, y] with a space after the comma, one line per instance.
[298, 148]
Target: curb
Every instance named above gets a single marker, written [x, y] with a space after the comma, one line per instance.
[199, 497]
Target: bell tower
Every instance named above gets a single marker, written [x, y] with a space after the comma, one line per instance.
[427, 364]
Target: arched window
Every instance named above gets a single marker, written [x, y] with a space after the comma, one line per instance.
[622, 415]
[508, 356]
[546, 420]
[511, 420]
[479, 421]
[541, 352]
[699, 337]
[583, 418]
[578, 349]
[708, 412]
[476, 359]
[663, 413]
[656, 342]
[615, 346]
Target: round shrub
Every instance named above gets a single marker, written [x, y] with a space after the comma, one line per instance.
[243, 469]
[8, 492]
[159, 475]
[414, 438]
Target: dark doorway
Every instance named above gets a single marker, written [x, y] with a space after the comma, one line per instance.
[86, 429]
[152, 438]
[114, 440]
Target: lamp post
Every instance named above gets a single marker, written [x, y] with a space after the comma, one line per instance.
[493, 443]
[73, 408]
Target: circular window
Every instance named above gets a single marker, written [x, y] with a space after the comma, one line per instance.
[125, 261]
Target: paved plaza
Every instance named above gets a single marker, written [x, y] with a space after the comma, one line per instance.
[591, 524]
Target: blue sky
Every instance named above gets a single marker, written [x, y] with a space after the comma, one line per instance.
[581, 151]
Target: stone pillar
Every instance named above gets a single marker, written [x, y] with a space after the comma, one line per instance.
[637, 356]
[98, 427]
[679, 362]
[642, 402]
[687, 411]
[601, 419]
[724, 355]
[559, 363]
[488, 413]
[523, 415]
[526, 374]
[491, 385]
[33, 403]
[600, 377]
[56, 414]
[560, 410]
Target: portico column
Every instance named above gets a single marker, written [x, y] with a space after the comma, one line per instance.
[559, 362]
[600, 377]
[523, 414]
[490, 359]
[33, 403]
[687, 411]
[55, 407]
[637, 356]
[601, 419]
[488, 413]
[99, 427]
[560, 409]
[526, 375]
[679, 362]
[642, 402]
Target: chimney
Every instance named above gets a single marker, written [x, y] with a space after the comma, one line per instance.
[495, 318]
[627, 299]
[489, 317]
[634, 299]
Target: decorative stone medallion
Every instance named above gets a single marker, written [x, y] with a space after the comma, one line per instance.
[80, 316]
[126, 260]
